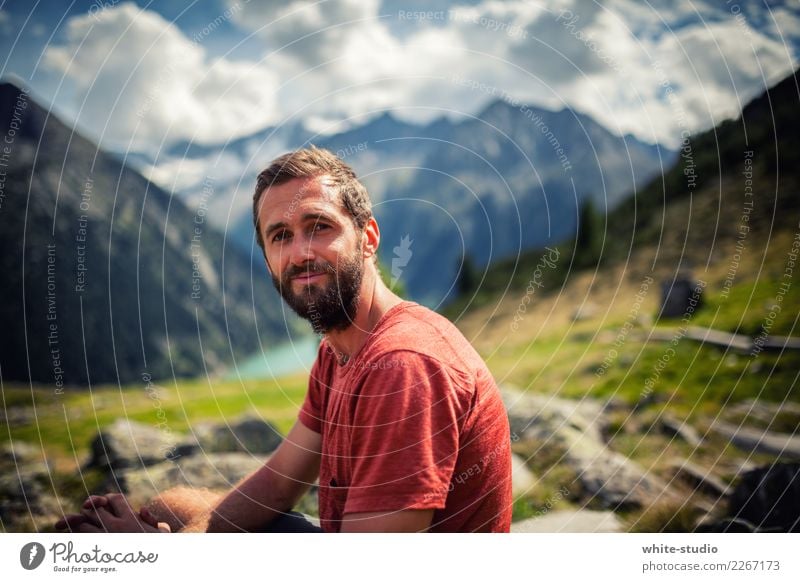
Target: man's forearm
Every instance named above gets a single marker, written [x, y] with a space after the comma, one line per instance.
[251, 505]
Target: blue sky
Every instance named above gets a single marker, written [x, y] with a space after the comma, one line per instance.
[138, 76]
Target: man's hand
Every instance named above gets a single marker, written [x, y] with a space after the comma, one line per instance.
[110, 513]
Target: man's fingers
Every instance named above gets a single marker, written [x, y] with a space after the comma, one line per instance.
[70, 522]
[118, 505]
[97, 516]
[95, 501]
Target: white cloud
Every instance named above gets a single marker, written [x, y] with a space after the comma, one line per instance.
[311, 30]
[784, 26]
[139, 79]
[340, 59]
[719, 68]
[343, 60]
[614, 61]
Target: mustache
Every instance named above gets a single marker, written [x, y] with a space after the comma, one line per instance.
[295, 270]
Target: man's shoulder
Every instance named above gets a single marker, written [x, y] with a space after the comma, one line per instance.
[416, 332]
[409, 323]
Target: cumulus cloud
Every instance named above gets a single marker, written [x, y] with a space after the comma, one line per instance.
[341, 60]
[652, 69]
[139, 79]
[310, 30]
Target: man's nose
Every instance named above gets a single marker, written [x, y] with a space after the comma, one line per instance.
[301, 251]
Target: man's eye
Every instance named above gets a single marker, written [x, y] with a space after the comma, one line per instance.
[280, 236]
[319, 226]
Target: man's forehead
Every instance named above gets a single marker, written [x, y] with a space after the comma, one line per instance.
[315, 193]
[321, 187]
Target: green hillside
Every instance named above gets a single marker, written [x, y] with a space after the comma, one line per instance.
[585, 307]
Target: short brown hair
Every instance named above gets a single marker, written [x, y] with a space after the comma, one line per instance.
[313, 162]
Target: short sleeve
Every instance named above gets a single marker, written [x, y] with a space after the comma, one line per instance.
[405, 435]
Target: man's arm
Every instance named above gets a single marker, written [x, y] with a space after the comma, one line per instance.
[274, 489]
[407, 520]
[253, 503]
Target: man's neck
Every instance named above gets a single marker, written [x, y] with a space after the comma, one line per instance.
[375, 299]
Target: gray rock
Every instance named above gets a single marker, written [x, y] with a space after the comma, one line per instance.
[673, 427]
[19, 453]
[699, 479]
[251, 435]
[762, 414]
[129, 444]
[522, 478]
[570, 521]
[576, 427]
[753, 440]
[679, 296]
[533, 415]
[27, 499]
[607, 476]
[585, 311]
[768, 498]
[614, 404]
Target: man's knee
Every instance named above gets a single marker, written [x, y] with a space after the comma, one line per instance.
[180, 505]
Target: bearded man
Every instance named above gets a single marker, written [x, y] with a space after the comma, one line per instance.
[403, 424]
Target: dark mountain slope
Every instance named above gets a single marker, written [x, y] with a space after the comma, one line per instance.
[106, 277]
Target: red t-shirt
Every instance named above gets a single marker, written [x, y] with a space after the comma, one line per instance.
[414, 420]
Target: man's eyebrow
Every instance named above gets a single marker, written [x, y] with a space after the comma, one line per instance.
[273, 227]
[316, 216]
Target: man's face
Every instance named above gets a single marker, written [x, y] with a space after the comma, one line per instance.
[313, 252]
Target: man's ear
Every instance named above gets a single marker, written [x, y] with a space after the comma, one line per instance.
[371, 238]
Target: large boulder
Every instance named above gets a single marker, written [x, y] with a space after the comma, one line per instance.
[782, 445]
[251, 435]
[536, 416]
[27, 500]
[675, 428]
[608, 477]
[768, 498]
[575, 428]
[522, 478]
[700, 479]
[127, 444]
[680, 296]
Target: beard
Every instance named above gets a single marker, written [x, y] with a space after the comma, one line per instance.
[329, 306]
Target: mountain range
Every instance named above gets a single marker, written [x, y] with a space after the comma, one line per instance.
[488, 186]
[116, 275]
